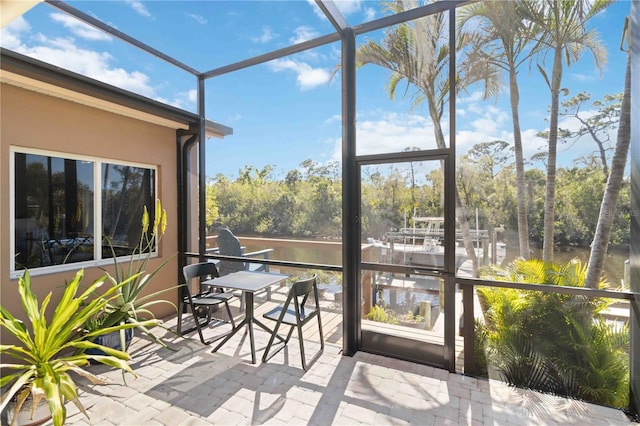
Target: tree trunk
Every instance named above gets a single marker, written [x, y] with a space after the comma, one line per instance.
[523, 223]
[612, 191]
[550, 195]
[460, 209]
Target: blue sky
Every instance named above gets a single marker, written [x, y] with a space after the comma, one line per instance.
[287, 111]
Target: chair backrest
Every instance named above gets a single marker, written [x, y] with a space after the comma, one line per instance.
[229, 245]
[302, 289]
[198, 270]
[303, 314]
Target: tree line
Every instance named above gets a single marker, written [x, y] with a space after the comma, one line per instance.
[307, 202]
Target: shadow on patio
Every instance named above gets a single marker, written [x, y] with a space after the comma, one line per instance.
[193, 386]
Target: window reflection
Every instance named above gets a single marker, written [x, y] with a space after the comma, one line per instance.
[53, 211]
[126, 190]
[55, 221]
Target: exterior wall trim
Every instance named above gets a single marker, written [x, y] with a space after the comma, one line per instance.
[22, 71]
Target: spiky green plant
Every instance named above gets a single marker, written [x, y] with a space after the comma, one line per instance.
[50, 350]
[130, 304]
[552, 342]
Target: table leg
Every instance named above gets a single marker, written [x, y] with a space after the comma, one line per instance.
[248, 305]
[247, 320]
[230, 335]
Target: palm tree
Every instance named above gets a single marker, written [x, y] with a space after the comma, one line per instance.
[418, 52]
[560, 26]
[504, 41]
[614, 183]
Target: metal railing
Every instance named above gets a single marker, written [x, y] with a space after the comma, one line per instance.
[268, 261]
[468, 286]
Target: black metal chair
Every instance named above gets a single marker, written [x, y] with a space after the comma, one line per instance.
[296, 312]
[202, 303]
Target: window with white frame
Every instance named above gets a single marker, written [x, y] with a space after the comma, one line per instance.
[70, 209]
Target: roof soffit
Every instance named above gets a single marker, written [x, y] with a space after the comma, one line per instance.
[35, 75]
[24, 82]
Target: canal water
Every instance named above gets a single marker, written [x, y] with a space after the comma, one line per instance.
[322, 254]
[331, 254]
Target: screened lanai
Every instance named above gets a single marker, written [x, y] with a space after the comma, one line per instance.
[346, 137]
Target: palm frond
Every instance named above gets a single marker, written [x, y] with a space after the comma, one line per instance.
[554, 342]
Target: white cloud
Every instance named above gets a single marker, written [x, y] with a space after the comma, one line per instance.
[488, 125]
[389, 132]
[490, 121]
[571, 123]
[316, 9]
[476, 108]
[64, 53]
[198, 18]
[79, 28]
[336, 118]
[495, 124]
[192, 95]
[369, 14]
[311, 55]
[384, 132]
[139, 7]
[307, 77]
[183, 99]
[302, 34]
[531, 143]
[346, 7]
[10, 34]
[475, 96]
[266, 36]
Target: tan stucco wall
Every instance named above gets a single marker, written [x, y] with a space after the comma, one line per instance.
[30, 119]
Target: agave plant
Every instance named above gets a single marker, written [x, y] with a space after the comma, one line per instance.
[130, 305]
[50, 349]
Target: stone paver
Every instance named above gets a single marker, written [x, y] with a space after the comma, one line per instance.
[192, 386]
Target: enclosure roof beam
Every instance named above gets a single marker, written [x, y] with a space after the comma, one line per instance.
[90, 20]
[289, 50]
[409, 15]
[333, 14]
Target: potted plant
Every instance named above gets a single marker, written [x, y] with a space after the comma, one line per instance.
[130, 305]
[50, 348]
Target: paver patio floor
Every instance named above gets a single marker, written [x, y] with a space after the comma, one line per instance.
[193, 386]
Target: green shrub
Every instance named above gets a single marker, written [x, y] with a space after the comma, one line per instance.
[552, 342]
[380, 314]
